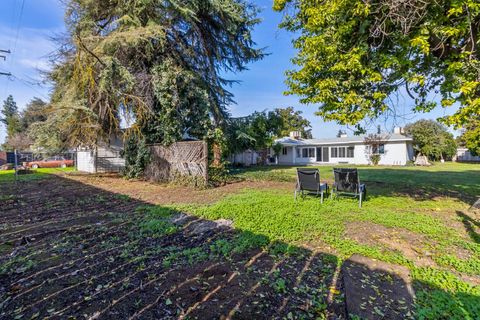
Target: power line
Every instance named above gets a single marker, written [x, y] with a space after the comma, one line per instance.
[18, 27]
[14, 50]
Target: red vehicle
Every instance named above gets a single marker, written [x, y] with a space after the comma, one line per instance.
[52, 162]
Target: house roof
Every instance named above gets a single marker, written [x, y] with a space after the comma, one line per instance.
[287, 141]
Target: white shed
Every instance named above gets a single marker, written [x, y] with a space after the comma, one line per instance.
[106, 157]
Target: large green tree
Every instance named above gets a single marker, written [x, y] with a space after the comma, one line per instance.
[432, 139]
[156, 63]
[354, 54]
[11, 117]
[20, 124]
[35, 111]
[291, 120]
[258, 130]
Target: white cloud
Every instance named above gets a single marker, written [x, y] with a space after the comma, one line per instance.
[38, 64]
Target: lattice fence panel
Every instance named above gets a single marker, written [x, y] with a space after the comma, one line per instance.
[181, 159]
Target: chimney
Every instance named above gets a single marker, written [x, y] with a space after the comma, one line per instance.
[344, 135]
[295, 135]
[398, 130]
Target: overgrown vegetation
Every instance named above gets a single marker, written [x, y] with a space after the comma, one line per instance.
[158, 63]
[137, 156]
[354, 55]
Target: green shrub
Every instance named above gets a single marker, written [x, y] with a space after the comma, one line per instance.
[375, 159]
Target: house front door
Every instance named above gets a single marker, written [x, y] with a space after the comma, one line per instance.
[322, 154]
[319, 154]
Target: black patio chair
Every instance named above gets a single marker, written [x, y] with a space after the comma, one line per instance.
[308, 181]
[347, 182]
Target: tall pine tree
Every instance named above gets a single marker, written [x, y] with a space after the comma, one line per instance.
[11, 118]
[158, 63]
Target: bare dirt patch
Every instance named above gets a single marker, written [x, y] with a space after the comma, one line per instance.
[377, 290]
[171, 194]
[410, 244]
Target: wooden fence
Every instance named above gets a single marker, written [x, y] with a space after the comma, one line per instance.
[186, 159]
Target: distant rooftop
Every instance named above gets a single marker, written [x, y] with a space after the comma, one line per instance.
[354, 139]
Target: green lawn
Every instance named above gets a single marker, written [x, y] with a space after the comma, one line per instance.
[41, 173]
[416, 217]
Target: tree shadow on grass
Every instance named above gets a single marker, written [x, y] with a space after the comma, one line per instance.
[415, 183]
[470, 226]
[71, 250]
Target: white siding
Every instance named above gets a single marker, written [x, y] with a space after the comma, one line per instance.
[396, 153]
[86, 161]
[300, 160]
[106, 158]
[286, 158]
[360, 155]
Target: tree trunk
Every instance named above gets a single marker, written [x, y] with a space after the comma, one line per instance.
[217, 155]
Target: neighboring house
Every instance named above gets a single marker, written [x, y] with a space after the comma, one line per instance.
[106, 157]
[395, 150]
[463, 155]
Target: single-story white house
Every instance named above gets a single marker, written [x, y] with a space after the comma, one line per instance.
[106, 157]
[395, 150]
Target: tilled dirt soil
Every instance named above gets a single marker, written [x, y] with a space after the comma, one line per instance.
[76, 248]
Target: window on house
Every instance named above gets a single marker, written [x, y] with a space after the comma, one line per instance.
[381, 149]
[341, 152]
[350, 151]
[284, 151]
[298, 153]
[308, 152]
[378, 149]
[304, 153]
[334, 152]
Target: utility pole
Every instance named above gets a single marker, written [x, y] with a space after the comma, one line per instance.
[8, 74]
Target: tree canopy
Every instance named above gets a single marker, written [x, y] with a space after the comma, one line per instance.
[11, 117]
[354, 54]
[470, 137]
[256, 131]
[259, 130]
[291, 120]
[21, 125]
[432, 139]
[156, 63]
[35, 111]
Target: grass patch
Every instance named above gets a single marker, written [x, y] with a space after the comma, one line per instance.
[154, 221]
[40, 173]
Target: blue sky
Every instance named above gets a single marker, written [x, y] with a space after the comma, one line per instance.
[28, 32]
